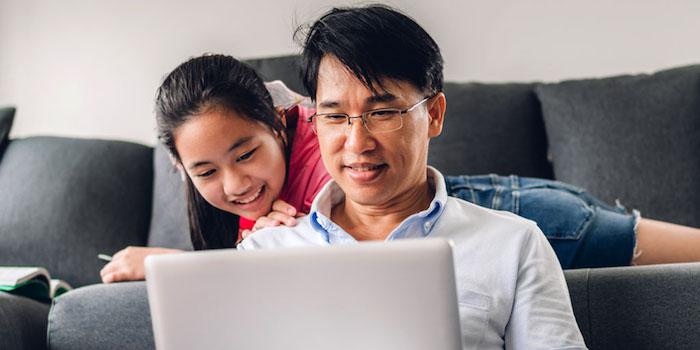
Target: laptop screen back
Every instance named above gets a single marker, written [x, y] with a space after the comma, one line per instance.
[398, 295]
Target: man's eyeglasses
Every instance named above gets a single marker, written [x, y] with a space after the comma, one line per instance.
[376, 121]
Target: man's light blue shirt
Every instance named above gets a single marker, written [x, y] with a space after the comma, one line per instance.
[510, 286]
[418, 225]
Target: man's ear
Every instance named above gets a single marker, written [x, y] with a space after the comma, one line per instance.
[436, 113]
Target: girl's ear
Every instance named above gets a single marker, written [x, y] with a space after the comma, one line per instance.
[172, 158]
[180, 169]
[282, 113]
[282, 135]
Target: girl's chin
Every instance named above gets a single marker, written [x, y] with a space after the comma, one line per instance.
[253, 215]
[250, 215]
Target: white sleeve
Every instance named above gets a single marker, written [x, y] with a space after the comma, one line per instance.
[542, 316]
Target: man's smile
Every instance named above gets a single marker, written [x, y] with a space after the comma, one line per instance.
[365, 172]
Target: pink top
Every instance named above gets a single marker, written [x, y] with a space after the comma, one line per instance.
[306, 174]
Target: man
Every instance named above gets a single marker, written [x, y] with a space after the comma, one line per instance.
[376, 78]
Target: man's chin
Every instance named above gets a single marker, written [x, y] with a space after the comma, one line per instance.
[372, 196]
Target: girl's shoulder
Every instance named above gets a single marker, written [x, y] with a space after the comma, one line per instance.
[299, 113]
[298, 124]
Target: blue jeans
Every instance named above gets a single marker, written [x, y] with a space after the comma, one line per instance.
[583, 231]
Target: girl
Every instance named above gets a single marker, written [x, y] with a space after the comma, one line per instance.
[245, 159]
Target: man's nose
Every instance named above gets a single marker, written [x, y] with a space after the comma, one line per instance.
[357, 138]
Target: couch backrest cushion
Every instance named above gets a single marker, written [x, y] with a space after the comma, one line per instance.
[285, 68]
[491, 128]
[633, 138]
[66, 200]
[169, 226]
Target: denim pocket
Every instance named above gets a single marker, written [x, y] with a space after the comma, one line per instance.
[474, 315]
[489, 191]
[559, 211]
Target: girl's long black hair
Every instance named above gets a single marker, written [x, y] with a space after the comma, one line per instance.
[198, 85]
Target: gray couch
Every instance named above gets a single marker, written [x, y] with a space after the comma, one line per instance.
[64, 200]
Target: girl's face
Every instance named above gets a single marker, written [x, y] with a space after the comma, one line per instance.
[236, 164]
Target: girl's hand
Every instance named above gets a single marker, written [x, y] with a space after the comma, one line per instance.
[282, 213]
[127, 264]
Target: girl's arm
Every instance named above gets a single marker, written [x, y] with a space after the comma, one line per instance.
[127, 264]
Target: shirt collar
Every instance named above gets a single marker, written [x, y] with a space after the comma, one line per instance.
[417, 225]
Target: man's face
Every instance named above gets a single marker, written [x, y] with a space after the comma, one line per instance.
[375, 169]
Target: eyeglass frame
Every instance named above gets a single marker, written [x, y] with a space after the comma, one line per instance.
[363, 117]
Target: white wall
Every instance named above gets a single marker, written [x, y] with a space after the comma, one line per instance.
[90, 68]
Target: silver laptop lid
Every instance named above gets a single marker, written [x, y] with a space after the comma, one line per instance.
[397, 295]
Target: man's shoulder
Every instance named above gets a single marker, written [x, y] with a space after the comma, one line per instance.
[490, 240]
[466, 209]
[281, 236]
[473, 218]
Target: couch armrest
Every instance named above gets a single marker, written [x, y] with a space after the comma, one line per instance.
[102, 316]
[22, 322]
[649, 307]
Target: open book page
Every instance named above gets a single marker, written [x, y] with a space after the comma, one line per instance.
[31, 282]
[11, 276]
[58, 287]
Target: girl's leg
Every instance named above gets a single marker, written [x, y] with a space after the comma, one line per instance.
[584, 231]
[661, 242]
[581, 233]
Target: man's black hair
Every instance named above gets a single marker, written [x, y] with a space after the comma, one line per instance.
[375, 42]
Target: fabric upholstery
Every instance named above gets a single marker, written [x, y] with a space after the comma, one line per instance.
[650, 307]
[23, 323]
[577, 281]
[633, 138]
[169, 226]
[491, 128]
[66, 200]
[102, 316]
[285, 68]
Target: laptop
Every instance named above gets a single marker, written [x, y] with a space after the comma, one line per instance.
[378, 295]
